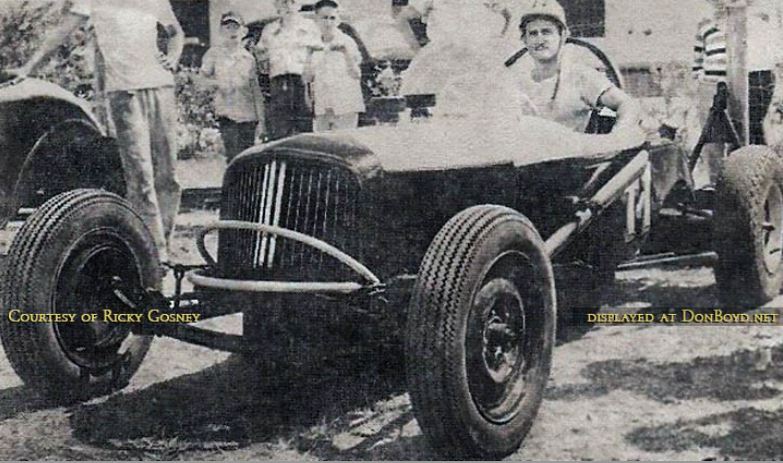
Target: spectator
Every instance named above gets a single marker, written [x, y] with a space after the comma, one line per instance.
[239, 104]
[139, 87]
[765, 40]
[709, 68]
[286, 48]
[336, 74]
[764, 36]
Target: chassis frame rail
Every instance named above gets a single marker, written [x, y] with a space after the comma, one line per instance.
[605, 196]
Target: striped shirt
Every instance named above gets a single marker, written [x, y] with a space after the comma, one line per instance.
[710, 61]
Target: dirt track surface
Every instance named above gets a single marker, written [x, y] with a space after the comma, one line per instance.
[616, 392]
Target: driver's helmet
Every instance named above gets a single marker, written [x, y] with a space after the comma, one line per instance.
[544, 9]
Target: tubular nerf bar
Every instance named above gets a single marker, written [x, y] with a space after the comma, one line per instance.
[597, 203]
[267, 286]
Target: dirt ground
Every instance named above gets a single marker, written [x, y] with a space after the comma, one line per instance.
[616, 392]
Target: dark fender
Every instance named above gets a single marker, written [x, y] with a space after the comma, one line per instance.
[50, 143]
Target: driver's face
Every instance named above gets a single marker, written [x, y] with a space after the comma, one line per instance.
[543, 39]
[327, 18]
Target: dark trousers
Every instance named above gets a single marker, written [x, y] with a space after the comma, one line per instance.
[288, 112]
[237, 136]
[761, 84]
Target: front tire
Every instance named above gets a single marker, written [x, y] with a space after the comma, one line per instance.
[480, 334]
[749, 227]
[63, 261]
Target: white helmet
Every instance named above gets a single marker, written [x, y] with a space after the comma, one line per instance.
[544, 9]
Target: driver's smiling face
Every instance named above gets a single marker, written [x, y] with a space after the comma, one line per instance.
[542, 38]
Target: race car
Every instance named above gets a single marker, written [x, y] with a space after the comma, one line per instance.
[465, 224]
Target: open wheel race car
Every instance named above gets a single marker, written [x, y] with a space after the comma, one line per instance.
[468, 225]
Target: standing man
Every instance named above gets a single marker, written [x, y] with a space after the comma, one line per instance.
[764, 44]
[139, 84]
[765, 40]
[562, 90]
[286, 46]
[710, 67]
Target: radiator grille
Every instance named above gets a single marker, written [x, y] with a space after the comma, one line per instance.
[313, 198]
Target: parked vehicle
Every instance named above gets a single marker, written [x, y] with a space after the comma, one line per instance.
[467, 224]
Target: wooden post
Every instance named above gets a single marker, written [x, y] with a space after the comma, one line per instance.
[736, 49]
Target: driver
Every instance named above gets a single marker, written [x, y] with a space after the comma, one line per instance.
[560, 89]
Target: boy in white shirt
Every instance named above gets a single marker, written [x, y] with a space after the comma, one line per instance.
[336, 74]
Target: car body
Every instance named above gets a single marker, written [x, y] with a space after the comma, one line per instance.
[386, 173]
[51, 142]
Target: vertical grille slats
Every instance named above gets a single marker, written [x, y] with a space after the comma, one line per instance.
[289, 206]
[315, 257]
[314, 198]
[258, 216]
[276, 213]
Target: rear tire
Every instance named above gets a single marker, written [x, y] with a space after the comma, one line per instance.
[63, 261]
[480, 333]
[749, 227]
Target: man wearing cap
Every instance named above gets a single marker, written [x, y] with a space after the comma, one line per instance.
[231, 70]
[139, 84]
[286, 47]
[560, 89]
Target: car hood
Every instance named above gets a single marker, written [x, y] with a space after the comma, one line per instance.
[454, 144]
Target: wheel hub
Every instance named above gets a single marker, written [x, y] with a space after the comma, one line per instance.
[502, 328]
[86, 288]
[498, 357]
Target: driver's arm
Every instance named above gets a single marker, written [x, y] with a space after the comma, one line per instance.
[629, 112]
[56, 37]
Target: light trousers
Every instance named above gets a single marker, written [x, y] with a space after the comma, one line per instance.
[145, 122]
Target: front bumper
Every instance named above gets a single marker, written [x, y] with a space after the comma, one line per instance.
[199, 277]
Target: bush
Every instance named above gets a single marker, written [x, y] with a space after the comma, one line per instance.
[22, 28]
[196, 117]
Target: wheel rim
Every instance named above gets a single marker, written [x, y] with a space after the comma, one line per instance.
[773, 229]
[500, 336]
[85, 285]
